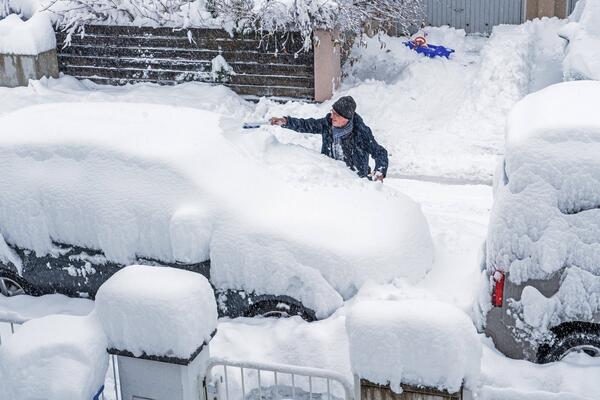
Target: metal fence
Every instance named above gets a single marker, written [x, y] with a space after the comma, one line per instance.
[474, 16]
[242, 380]
[8, 327]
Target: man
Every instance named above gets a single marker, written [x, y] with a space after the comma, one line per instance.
[345, 138]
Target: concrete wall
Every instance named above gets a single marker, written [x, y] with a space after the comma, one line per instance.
[17, 70]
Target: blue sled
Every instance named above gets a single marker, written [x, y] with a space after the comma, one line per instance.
[430, 50]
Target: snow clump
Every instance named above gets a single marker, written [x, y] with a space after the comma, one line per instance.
[415, 342]
[31, 37]
[57, 357]
[158, 311]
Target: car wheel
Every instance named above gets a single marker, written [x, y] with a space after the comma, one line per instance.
[570, 338]
[279, 309]
[12, 284]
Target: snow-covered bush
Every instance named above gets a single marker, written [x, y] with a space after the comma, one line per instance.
[345, 16]
[4, 8]
[415, 342]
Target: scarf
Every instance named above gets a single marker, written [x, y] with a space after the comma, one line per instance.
[338, 135]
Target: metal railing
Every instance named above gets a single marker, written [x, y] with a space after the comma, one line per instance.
[8, 326]
[242, 380]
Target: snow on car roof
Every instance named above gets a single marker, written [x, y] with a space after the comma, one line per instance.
[565, 112]
[546, 216]
[179, 184]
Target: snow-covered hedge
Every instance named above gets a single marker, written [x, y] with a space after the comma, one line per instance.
[159, 311]
[415, 342]
[346, 16]
[546, 212]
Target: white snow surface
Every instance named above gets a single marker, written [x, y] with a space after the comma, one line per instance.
[31, 37]
[301, 229]
[160, 311]
[417, 342]
[582, 53]
[23, 308]
[57, 357]
[548, 214]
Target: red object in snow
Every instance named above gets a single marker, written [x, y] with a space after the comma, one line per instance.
[498, 293]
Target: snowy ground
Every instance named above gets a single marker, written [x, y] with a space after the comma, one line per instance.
[443, 123]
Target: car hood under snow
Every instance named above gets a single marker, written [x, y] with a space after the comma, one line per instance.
[179, 184]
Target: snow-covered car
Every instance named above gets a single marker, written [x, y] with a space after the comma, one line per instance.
[582, 47]
[87, 188]
[542, 264]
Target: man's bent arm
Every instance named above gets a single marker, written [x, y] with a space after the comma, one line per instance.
[308, 125]
[378, 152]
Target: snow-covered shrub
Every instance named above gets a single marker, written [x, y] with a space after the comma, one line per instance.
[221, 71]
[4, 8]
[346, 16]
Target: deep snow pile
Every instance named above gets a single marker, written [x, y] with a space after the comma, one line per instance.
[31, 37]
[308, 228]
[582, 53]
[57, 357]
[131, 302]
[548, 213]
[416, 342]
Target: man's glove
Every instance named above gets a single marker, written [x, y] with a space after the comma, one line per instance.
[278, 121]
[377, 176]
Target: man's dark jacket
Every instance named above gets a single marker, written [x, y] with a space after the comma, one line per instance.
[357, 146]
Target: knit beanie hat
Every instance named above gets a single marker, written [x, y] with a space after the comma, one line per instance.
[345, 106]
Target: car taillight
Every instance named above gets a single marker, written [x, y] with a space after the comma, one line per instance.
[498, 292]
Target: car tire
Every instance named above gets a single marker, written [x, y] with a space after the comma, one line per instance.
[279, 309]
[571, 337]
[11, 284]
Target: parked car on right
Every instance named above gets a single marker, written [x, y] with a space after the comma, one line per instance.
[582, 42]
[542, 253]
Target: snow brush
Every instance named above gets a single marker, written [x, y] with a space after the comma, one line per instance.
[254, 125]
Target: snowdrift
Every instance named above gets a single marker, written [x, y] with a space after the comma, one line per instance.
[178, 184]
[546, 214]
